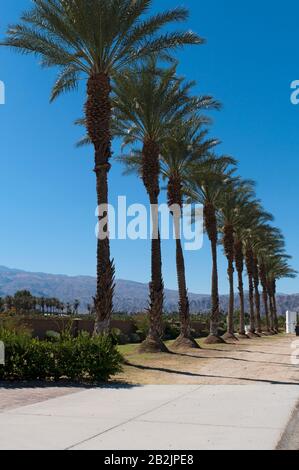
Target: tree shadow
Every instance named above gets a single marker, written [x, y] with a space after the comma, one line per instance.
[247, 351]
[233, 359]
[192, 374]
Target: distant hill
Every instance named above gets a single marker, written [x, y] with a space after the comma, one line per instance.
[130, 296]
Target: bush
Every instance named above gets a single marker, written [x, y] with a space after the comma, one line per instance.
[119, 337]
[53, 335]
[135, 338]
[14, 324]
[141, 321]
[171, 330]
[75, 359]
[204, 333]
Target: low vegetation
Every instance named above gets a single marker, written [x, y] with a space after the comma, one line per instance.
[85, 358]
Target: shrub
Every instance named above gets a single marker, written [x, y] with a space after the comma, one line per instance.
[171, 330]
[14, 324]
[193, 333]
[135, 338]
[76, 359]
[53, 335]
[119, 337]
[142, 325]
[204, 333]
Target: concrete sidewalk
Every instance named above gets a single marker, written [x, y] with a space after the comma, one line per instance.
[154, 418]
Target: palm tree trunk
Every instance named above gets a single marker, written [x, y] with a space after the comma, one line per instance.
[175, 201]
[150, 176]
[98, 118]
[228, 242]
[156, 285]
[276, 325]
[257, 295]
[249, 266]
[275, 306]
[239, 260]
[215, 293]
[272, 317]
[251, 304]
[185, 339]
[183, 297]
[211, 227]
[231, 307]
[266, 309]
[262, 275]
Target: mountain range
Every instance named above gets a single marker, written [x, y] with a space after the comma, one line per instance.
[130, 296]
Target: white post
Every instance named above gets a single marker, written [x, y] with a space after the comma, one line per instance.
[291, 322]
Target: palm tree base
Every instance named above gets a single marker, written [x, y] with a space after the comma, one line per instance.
[253, 335]
[185, 342]
[152, 345]
[243, 336]
[213, 339]
[229, 336]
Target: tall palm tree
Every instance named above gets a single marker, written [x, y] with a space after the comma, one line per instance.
[234, 207]
[247, 214]
[251, 242]
[206, 188]
[268, 242]
[277, 268]
[149, 103]
[281, 271]
[96, 39]
[186, 146]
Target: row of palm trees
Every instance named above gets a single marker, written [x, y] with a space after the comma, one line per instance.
[23, 302]
[134, 93]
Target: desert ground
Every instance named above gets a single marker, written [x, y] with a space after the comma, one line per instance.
[265, 360]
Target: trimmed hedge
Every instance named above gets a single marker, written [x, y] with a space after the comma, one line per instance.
[75, 359]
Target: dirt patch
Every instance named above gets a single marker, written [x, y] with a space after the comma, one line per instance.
[265, 360]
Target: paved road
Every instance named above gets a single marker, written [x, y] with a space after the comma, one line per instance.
[154, 418]
[290, 438]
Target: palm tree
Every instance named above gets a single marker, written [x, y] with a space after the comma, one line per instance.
[252, 240]
[206, 189]
[150, 102]
[269, 240]
[96, 39]
[186, 146]
[277, 267]
[234, 211]
[246, 219]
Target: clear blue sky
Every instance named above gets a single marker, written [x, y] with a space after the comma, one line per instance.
[47, 185]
